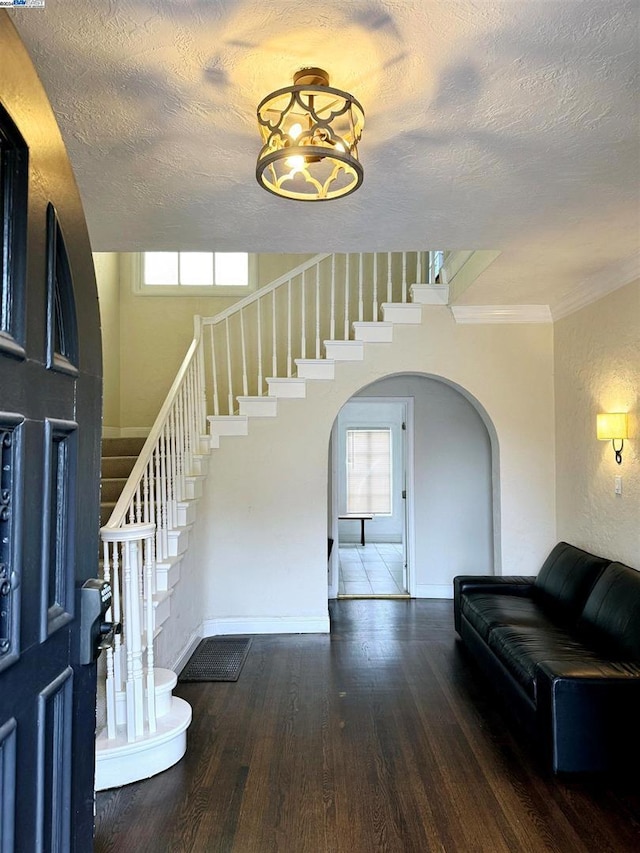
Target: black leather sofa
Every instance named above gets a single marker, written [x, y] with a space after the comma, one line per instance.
[563, 650]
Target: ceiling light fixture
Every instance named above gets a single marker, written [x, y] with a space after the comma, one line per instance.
[310, 134]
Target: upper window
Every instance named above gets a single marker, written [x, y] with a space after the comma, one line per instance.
[14, 178]
[62, 326]
[194, 273]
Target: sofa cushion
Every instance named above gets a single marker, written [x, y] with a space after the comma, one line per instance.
[486, 611]
[565, 580]
[522, 648]
[611, 617]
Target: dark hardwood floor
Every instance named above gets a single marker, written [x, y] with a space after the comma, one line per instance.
[379, 737]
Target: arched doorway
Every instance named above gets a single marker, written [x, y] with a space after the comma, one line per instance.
[451, 483]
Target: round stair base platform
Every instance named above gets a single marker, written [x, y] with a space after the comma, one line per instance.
[119, 762]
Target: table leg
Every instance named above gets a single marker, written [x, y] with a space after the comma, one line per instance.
[362, 531]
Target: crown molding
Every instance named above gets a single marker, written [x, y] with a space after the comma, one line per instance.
[595, 287]
[502, 314]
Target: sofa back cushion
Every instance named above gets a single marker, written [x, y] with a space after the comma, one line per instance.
[610, 620]
[565, 580]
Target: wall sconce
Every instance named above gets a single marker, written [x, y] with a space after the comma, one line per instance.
[613, 427]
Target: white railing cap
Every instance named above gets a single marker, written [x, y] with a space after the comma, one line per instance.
[128, 532]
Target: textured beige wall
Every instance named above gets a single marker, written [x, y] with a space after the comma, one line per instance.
[597, 369]
[155, 332]
[107, 277]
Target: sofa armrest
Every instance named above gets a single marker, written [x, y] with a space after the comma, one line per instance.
[590, 709]
[499, 585]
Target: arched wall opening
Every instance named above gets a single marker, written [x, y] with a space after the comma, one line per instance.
[453, 500]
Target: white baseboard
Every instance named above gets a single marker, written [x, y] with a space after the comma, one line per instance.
[434, 590]
[110, 432]
[265, 625]
[187, 651]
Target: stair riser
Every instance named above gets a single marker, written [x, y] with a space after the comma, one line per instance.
[374, 332]
[117, 466]
[162, 611]
[105, 513]
[407, 313]
[186, 512]
[344, 350]
[167, 576]
[110, 490]
[319, 369]
[430, 294]
[193, 488]
[228, 425]
[178, 541]
[266, 407]
[165, 682]
[293, 389]
[199, 465]
[122, 446]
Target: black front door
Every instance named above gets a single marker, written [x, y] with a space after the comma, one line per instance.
[50, 398]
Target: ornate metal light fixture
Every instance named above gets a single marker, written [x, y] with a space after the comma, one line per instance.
[310, 134]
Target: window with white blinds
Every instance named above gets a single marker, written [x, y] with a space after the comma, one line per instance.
[369, 471]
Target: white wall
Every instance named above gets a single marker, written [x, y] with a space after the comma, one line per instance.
[453, 495]
[267, 506]
[597, 358]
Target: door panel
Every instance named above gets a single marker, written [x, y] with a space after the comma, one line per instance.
[59, 492]
[8, 784]
[54, 763]
[50, 407]
[10, 552]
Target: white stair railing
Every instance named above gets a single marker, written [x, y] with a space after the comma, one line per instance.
[128, 560]
[291, 317]
[138, 536]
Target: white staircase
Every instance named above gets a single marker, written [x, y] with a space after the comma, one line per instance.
[147, 535]
[144, 726]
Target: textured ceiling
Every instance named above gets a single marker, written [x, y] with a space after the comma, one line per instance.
[509, 125]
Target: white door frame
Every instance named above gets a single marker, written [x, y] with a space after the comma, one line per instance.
[409, 535]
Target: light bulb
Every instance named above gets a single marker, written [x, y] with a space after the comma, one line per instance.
[295, 130]
[296, 163]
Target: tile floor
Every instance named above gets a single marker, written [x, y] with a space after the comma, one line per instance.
[372, 569]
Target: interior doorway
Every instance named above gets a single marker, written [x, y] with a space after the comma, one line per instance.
[452, 472]
[371, 498]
